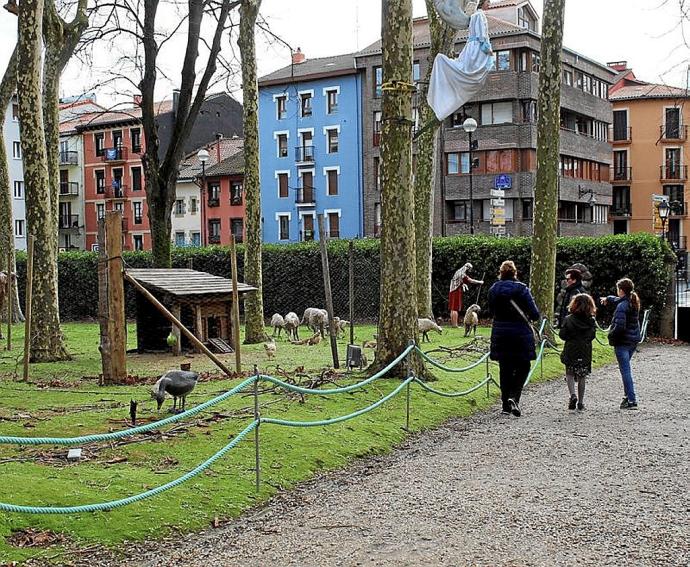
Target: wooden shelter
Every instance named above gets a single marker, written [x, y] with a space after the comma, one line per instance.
[201, 301]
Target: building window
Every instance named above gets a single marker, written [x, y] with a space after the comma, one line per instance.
[415, 72]
[135, 137]
[332, 140]
[308, 228]
[527, 209]
[672, 123]
[283, 227]
[307, 189]
[281, 107]
[16, 150]
[501, 61]
[193, 206]
[99, 142]
[15, 112]
[567, 77]
[529, 111]
[19, 228]
[136, 179]
[213, 194]
[378, 81]
[179, 239]
[305, 104]
[282, 145]
[100, 181]
[18, 190]
[237, 229]
[117, 138]
[214, 231]
[236, 193]
[331, 101]
[138, 241]
[100, 211]
[458, 162]
[333, 225]
[497, 113]
[283, 185]
[459, 212]
[524, 20]
[673, 168]
[138, 217]
[196, 239]
[332, 181]
[536, 62]
[377, 128]
[377, 174]
[579, 79]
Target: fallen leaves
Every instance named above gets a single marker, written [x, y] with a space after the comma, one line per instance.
[30, 537]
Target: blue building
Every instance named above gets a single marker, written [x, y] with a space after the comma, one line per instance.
[310, 135]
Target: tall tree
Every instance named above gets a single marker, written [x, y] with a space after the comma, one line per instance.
[253, 304]
[543, 262]
[398, 309]
[427, 151]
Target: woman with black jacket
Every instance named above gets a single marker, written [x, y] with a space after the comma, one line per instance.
[578, 331]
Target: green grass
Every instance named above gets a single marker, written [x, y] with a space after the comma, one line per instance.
[75, 405]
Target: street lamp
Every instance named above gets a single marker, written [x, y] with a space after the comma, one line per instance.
[469, 126]
[664, 210]
[581, 192]
[202, 155]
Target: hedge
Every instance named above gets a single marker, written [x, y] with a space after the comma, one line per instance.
[293, 278]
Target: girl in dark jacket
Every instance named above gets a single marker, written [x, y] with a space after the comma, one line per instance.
[578, 331]
[512, 340]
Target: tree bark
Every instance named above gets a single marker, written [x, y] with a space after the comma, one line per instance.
[398, 309]
[8, 86]
[253, 304]
[427, 150]
[543, 261]
[47, 341]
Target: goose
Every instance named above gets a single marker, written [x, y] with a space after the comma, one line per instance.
[177, 383]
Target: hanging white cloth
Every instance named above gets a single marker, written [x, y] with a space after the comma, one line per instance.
[455, 81]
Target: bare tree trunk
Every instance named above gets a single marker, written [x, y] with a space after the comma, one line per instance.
[398, 309]
[47, 341]
[254, 304]
[441, 42]
[8, 85]
[543, 263]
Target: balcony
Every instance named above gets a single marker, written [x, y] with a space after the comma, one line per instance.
[673, 133]
[213, 202]
[621, 210]
[304, 154]
[306, 197]
[69, 158]
[678, 209]
[116, 192]
[621, 174]
[214, 238]
[673, 172]
[678, 242]
[69, 188]
[68, 222]
[114, 155]
[620, 135]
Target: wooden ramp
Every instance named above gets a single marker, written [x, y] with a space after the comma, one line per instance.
[220, 346]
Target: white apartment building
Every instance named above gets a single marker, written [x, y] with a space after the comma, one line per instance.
[16, 172]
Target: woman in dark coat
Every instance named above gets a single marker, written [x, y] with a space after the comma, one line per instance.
[512, 340]
[578, 331]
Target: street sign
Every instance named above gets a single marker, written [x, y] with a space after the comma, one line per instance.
[498, 193]
[498, 202]
[657, 225]
[498, 230]
[503, 181]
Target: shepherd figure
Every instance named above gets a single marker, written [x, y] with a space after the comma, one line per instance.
[458, 285]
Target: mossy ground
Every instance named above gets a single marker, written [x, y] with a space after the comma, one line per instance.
[64, 399]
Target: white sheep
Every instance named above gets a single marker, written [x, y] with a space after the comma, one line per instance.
[277, 322]
[318, 321]
[425, 325]
[292, 326]
[340, 325]
[472, 319]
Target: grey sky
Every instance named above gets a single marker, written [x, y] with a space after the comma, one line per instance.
[646, 33]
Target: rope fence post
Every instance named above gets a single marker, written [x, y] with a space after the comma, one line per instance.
[257, 418]
[27, 304]
[488, 375]
[9, 300]
[407, 392]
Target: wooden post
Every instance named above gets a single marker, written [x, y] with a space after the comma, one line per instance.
[103, 307]
[170, 317]
[235, 306]
[327, 288]
[27, 308]
[177, 313]
[9, 300]
[117, 331]
[199, 324]
[351, 258]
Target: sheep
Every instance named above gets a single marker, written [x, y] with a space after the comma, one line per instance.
[270, 348]
[472, 319]
[277, 322]
[339, 325]
[426, 325]
[315, 340]
[292, 326]
[316, 319]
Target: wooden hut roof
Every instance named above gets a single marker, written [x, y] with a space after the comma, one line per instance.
[183, 282]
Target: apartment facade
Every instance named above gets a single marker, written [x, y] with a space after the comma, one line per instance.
[650, 153]
[311, 149]
[13, 150]
[506, 112]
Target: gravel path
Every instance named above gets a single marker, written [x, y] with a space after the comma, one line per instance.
[601, 487]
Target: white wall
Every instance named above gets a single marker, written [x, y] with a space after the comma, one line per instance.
[188, 223]
[16, 173]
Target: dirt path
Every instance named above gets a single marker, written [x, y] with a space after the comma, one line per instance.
[601, 487]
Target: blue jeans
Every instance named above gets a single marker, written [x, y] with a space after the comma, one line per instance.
[623, 355]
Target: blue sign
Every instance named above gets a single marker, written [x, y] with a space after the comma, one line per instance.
[111, 154]
[503, 181]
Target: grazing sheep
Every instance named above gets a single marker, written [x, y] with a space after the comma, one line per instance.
[270, 348]
[340, 328]
[277, 322]
[307, 314]
[472, 319]
[292, 326]
[426, 325]
[318, 321]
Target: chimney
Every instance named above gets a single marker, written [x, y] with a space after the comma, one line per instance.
[176, 100]
[618, 65]
[298, 57]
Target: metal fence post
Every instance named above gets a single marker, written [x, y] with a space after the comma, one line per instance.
[257, 417]
[488, 375]
[407, 406]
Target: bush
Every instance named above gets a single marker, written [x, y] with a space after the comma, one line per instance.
[293, 279]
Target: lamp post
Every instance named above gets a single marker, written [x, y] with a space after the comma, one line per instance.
[203, 155]
[592, 197]
[469, 126]
[664, 210]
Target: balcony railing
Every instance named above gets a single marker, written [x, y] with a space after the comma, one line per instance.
[213, 202]
[674, 132]
[214, 238]
[678, 242]
[621, 210]
[69, 188]
[621, 174]
[68, 221]
[621, 135]
[69, 158]
[306, 235]
[305, 196]
[377, 136]
[304, 154]
[678, 209]
[114, 154]
[673, 172]
[119, 192]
